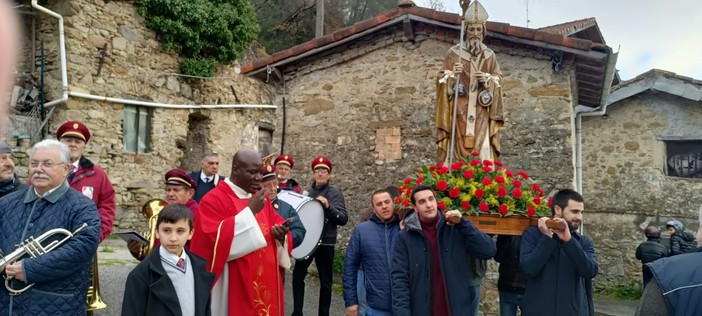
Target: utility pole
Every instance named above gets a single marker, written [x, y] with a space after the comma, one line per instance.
[319, 29]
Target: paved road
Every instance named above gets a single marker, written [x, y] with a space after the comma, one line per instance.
[116, 263]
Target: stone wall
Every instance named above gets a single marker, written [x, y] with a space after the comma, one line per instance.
[136, 68]
[625, 183]
[353, 103]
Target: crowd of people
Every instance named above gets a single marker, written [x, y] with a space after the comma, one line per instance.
[222, 245]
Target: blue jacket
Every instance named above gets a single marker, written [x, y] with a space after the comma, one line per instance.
[60, 276]
[371, 246]
[559, 275]
[411, 266]
[680, 280]
[286, 211]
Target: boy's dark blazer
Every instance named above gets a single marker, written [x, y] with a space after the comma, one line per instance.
[150, 277]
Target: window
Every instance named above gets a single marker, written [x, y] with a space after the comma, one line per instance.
[684, 158]
[137, 128]
[265, 139]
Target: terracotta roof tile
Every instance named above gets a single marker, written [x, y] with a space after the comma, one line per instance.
[444, 17]
[569, 27]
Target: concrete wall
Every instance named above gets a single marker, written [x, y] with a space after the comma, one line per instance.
[625, 184]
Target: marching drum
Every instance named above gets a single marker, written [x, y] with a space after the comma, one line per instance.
[311, 213]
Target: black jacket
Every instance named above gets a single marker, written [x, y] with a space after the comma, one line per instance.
[201, 188]
[511, 279]
[410, 270]
[682, 242]
[334, 215]
[7, 187]
[150, 292]
[651, 250]
[557, 269]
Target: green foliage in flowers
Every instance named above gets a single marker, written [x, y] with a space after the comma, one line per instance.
[477, 187]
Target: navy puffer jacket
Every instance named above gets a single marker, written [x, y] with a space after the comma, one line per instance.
[371, 245]
[60, 276]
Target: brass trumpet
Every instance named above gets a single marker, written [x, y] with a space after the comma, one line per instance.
[33, 248]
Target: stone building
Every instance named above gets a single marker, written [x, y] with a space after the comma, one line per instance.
[642, 167]
[144, 118]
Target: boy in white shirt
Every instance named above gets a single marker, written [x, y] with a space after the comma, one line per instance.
[171, 280]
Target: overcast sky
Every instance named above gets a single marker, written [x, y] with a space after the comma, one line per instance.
[628, 26]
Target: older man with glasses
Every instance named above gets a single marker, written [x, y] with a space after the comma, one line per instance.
[61, 276]
[8, 179]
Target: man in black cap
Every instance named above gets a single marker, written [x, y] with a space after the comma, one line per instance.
[269, 183]
[8, 179]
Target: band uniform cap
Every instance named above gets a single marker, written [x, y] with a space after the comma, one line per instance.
[285, 159]
[268, 172]
[179, 177]
[73, 129]
[321, 162]
[5, 148]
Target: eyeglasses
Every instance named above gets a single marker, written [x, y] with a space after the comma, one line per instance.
[321, 171]
[44, 164]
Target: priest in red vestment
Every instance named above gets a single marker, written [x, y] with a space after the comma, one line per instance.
[241, 236]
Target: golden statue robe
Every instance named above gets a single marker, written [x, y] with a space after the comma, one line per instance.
[488, 120]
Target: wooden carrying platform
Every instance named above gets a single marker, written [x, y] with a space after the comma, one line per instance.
[495, 224]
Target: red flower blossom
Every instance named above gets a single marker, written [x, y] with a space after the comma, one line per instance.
[487, 162]
[516, 183]
[406, 203]
[456, 166]
[550, 201]
[408, 180]
[453, 193]
[509, 173]
[516, 193]
[397, 200]
[484, 206]
[524, 175]
[465, 205]
[537, 200]
[487, 169]
[475, 162]
[531, 211]
[408, 192]
[537, 188]
[479, 194]
[499, 163]
[503, 209]
[475, 153]
[468, 174]
[487, 181]
[443, 170]
[501, 191]
[420, 180]
[499, 179]
[441, 205]
[431, 168]
[442, 185]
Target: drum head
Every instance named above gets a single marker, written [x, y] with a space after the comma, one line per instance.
[311, 214]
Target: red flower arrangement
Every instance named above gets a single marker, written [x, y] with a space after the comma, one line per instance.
[477, 187]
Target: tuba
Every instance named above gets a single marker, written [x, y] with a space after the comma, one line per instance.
[268, 159]
[33, 247]
[150, 211]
